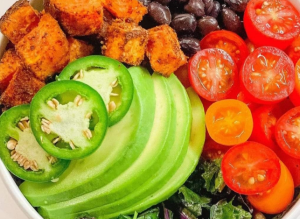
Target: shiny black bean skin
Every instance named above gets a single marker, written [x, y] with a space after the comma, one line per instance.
[196, 7]
[209, 4]
[145, 2]
[207, 24]
[231, 20]
[163, 2]
[215, 10]
[159, 13]
[184, 23]
[189, 45]
[237, 5]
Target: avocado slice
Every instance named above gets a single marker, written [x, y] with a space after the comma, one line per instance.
[189, 164]
[117, 152]
[145, 167]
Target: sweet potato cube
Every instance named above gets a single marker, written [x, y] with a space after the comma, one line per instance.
[9, 65]
[18, 21]
[45, 50]
[131, 10]
[163, 50]
[125, 42]
[79, 48]
[21, 89]
[78, 18]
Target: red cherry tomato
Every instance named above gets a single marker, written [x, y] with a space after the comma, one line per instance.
[264, 121]
[232, 43]
[213, 150]
[250, 45]
[271, 23]
[182, 75]
[291, 163]
[267, 75]
[250, 168]
[293, 50]
[278, 198]
[242, 97]
[295, 95]
[287, 132]
[213, 74]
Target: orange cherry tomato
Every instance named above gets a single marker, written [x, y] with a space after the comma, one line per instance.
[229, 122]
[278, 198]
[295, 95]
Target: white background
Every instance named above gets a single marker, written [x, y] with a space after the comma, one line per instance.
[9, 209]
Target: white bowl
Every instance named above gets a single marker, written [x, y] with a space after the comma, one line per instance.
[294, 213]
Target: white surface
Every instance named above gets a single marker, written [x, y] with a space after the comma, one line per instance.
[9, 208]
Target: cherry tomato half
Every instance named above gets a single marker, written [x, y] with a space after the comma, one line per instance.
[229, 122]
[267, 75]
[293, 50]
[271, 22]
[264, 121]
[295, 95]
[250, 45]
[291, 163]
[278, 198]
[213, 150]
[287, 132]
[213, 74]
[242, 97]
[250, 168]
[232, 43]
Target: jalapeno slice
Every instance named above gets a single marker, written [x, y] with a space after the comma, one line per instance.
[108, 77]
[21, 153]
[68, 119]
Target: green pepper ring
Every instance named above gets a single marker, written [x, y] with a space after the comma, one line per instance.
[124, 77]
[97, 106]
[8, 121]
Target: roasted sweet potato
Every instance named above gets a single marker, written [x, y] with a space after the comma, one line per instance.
[163, 50]
[125, 42]
[130, 10]
[45, 50]
[21, 89]
[78, 18]
[9, 65]
[18, 21]
[79, 48]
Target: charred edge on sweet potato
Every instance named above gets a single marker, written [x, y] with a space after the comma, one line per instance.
[18, 21]
[77, 19]
[125, 42]
[45, 50]
[163, 50]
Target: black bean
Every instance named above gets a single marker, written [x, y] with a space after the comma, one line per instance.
[196, 7]
[215, 10]
[189, 45]
[145, 2]
[184, 23]
[161, 14]
[209, 4]
[237, 5]
[231, 20]
[163, 2]
[207, 24]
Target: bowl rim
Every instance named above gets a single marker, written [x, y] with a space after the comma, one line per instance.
[27, 208]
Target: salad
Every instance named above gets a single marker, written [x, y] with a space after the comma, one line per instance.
[152, 109]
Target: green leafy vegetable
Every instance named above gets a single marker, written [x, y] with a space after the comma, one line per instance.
[151, 214]
[225, 210]
[213, 176]
[193, 202]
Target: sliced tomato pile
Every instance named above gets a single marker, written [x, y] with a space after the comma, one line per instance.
[293, 50]
[268, 75]
[213, 74]
[230, 42]
[271, 22]
[250, 168]
[295, 95]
